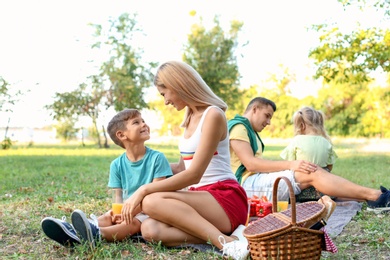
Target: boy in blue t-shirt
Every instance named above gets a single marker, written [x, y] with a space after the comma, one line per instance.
[135, 167]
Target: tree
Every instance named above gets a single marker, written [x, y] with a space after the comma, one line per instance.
[128, 77]
[86, 100]
[277, 89]
[120, 83]
[348, 64]
[7, 100]
[351, 57]
[8, 96]
[376, 121]
[213, 54]
[66, 128]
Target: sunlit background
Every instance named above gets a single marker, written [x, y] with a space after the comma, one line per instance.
[46, 45]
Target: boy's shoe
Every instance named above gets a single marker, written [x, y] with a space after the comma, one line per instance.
[237, 249]
[60, 231]
[87, 228]
[382, 204]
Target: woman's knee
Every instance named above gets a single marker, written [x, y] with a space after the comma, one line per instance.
[150, 230]
[151, 202]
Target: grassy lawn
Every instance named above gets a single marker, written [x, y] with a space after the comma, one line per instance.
[48, 180]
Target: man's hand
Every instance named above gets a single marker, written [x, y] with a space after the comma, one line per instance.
[303, 166]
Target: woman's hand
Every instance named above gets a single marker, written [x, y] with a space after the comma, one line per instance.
[129, 206]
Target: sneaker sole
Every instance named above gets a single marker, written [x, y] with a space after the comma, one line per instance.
[379, 210]
[53, 228]
[82, 226]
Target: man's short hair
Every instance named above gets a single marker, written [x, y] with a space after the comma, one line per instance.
[260, 101]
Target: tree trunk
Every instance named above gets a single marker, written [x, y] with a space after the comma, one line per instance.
[97, 133]
[105, 138]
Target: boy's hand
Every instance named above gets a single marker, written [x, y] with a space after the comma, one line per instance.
[115, 219]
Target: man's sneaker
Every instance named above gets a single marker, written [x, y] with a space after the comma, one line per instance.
[382, 204]
[88, 229]
[60, 231]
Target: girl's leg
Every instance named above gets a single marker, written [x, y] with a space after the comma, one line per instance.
[334, 185]
[189, 217]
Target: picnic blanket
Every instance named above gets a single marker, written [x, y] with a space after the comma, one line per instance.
[344, 212]
[342, 215]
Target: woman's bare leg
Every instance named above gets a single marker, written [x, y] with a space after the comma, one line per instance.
[187, 218]
[153, 231]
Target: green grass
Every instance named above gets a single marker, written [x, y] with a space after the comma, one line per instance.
[48, 180]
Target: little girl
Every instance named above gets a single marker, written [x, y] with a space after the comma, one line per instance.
[310, 143]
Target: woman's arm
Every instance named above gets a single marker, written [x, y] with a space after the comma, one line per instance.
[214, 129]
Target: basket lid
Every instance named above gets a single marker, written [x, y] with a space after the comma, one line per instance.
[305, 212]
[266, 225]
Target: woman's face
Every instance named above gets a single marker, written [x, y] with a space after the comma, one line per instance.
[171, 98]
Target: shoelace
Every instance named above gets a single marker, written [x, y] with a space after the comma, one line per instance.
[237, 250]
[94, 220]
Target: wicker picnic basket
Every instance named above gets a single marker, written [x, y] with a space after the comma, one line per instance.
[286, 234]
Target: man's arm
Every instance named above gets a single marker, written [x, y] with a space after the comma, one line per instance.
[244, 152]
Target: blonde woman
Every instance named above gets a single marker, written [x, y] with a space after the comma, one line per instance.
[215, 204]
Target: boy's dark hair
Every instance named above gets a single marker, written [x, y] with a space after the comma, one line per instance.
[118, 123]
[260, 101]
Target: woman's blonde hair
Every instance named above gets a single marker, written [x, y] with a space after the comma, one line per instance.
[311, 117]
[188, 84]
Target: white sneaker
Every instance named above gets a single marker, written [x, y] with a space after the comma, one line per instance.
[235, 249]
[239, 234]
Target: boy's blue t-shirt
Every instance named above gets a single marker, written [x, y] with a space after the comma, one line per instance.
[130, 175]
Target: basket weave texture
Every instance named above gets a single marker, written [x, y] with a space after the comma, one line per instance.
[285, 235]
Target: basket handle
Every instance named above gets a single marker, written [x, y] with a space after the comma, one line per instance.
[292, 198]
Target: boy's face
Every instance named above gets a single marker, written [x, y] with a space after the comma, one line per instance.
[262, 116]
[137, 130]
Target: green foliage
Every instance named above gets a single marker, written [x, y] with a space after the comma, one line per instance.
[65, 129]
[277, 90]
[6, 143]
[172, 117]
[86, 100]
[212, 54]
[351, 58]
[376, 120]
[128, 76]
[8, 96]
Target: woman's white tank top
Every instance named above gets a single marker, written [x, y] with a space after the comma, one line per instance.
[219, 168]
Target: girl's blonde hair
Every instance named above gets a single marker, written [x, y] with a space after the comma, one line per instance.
[312, 118]
[188, 84]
